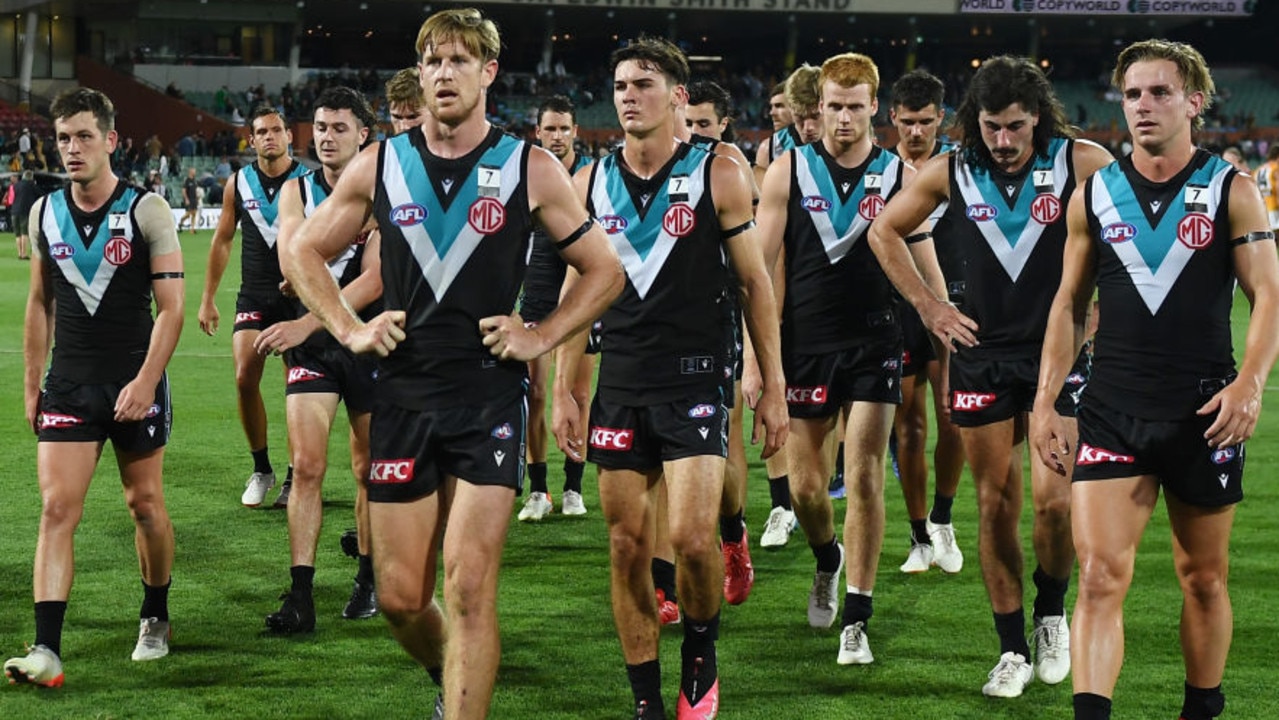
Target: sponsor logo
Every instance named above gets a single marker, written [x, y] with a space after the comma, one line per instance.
[613, 224]
[1045, 209]
[151, 430]
[815, 203]
[153, 411]
[679, 220]
[971, 401]
[118, 251]
[870, 206]
[61, 251]
[981, 212]
[503, 431]
[1089, 455]
[701, 411]
[391, 472]
[1195, 231]
[1119, 232]
[891, 363]
[408, 214]
[1223, 456]
[905, 357]
[1224, 479]
[56, 420]
[603, 438]
[806, 395]
[1075, 379]
[704, 432]
[498, 457]
[251, 204]
[251, 316]
[301, 374]
[487, 215]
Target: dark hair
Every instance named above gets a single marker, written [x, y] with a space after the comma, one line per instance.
[778, 89]
[82, 99]
[338, 97]
[557, 104]
[997, 84]
[705, 91]
[262, 111]
[654, 53]
[917, 90]
[1274, 152]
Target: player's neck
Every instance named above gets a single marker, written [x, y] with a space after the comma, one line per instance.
[569, 160]
[1162, 163]
[331, 175]
[274, 167]
[646, 155]
[912, 160]
[454, 141]
[850, 155]
[95, 193]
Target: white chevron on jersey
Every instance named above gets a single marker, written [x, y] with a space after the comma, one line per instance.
[269, 230]
[835, 244]
[91, 292]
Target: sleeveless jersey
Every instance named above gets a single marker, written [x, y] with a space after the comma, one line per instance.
[99, 270]
[344, 268]
[1165, 281]
[665, 334]
[1010, 231]
[256, 198]
[783, 140]
[455, 237]
[837, 296]
[951, 264]
[546, 268]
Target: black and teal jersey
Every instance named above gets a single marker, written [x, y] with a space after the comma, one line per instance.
[785, 139]
[1165, 283]
[256, 209]
[455, 238]
[546, 268]
[837, 295]
[345, 267]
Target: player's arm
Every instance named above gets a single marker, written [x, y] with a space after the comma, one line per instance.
[1064, 335]
[733, 203]
[1256, 266]
[583, 245]
[763, 157]
[326, 233]
[1089, 157]
[565, 411]
[774, 198]
[734, 153]
[219, 255]
[902, 216]
[168, 286]
[37, 326]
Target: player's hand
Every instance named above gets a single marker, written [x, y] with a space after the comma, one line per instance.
[281, 336]
[286, 288]
[566, 425]
[772, 421]
[380, 335]
[506, 337]
[752, 382]
[31, 401]
[1237, 406]
[945, 321]
[134, 400]
[1049, 439]
[208, 317]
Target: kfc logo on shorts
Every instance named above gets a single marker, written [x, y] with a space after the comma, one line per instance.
[679, 220]
[301, 374]
[503, 431]
[971, 401]
[603, 438]
[806, 395]
[54, 420]
[1045, 209]
[1195, 231]
[118, 251]
[1119, 232]
[61, 251]
[905, 357]
[408, 214]
[613, 224]
[1075, 379]
[1223, 456]
[981, 212]
[1089, 455]
[487, 215]
[391, 472]
[251, 204]
[815, 203]
[704, 410]
[250, 316]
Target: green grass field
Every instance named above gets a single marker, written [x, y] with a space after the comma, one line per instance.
[932, 635]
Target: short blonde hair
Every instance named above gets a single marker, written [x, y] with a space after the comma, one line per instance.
[467, 26]
[1191, 66]
[803, 91]
[405, 88]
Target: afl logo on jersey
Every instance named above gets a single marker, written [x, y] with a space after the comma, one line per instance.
[487, 215]
[251, 204]
[61, 251]
[1195, 231]
[613, 224]
[1045, 209]
[815, 203]
[870, 206]
[981, 212]
[118, 251]
[679, 220]
[408, 214]
[1118, 232]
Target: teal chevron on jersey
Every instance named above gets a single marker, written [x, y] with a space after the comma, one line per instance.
[83, 263]
[841, 223]
[314, 192]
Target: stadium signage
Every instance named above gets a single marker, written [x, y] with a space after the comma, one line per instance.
[1110, 7]
[827, 6]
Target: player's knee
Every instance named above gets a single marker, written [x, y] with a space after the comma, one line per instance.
[1053, 508]
[692, 544]
[1203, 586]
[309, 467]
[912, 435]
[627, 547]
[1102, 577]
[467, 590]
[57, 511]
[147, 509]
[536, 395]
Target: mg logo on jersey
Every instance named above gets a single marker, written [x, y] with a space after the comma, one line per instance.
[679, 220]
[118, 251]
[1195, 231]
[1089, 455]
[1045, 209]
[815, 203]
[613, 224]
[251, 204]
[61, 251]
[981, 212]
[1119, 232]
[704, 410]
[603, 438]
[301, 374]
[1223, 456]
[870, 206]
[408, 214]
[971, 401]
[55, 420]
[503, 431]
[806, 395]
[487, 215]
[391, 472]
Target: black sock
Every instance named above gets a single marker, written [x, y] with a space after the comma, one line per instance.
[437, 676]
[1091, 707]
[1050, 594]
[919, 533]
[664, 578]
[364, 575]
[779, 491]
[941, 509]
[537, 477]
[49, 616]
[646, 685]
[1011, 628]
[827, 556]
[857, 608]
[261, 461]
[731, 527]
[155, 601]
[288, 476]
[1202, 703]
[303, 580]
[839, 463]
[573, 475]
[699, 669]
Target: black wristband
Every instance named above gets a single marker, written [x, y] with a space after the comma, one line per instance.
[168, 275]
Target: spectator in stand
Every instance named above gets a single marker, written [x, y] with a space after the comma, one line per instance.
[172, 91]
[24, 196]
[186, 146]
[24, 142]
